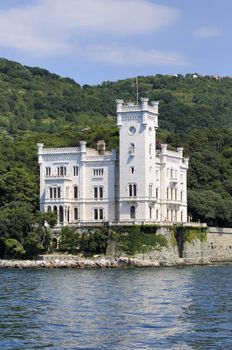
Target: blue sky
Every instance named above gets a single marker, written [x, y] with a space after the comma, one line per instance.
[97, 40]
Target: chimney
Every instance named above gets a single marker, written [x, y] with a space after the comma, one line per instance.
[101, 147]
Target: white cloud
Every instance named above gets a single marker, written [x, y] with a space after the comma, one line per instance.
[132, 56]
[51, 27]
[207, 32]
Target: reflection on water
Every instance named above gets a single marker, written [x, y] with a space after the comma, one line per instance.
[181, 308]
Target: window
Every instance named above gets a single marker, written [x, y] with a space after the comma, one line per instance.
[49, 209]
[75, 214]
[75, 171]
[132, 149]
[157, 214]
[75, 192]
[61, 214]
[98, 214]
[167, 192]
[181, 196]
[176, 194]
[132, 212]
[47, 171]
[98, 172]
[171, 173]
[98, 192]
[150, 147]
[95, 190]
[150, 212]
[132, 190]
[101, 214]
[61, 170]
[157, 192]
[54, 192]
[150, 190]
[132, 170]
[95, 214]
[181, 216]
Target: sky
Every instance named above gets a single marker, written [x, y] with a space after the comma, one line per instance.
[92, 41]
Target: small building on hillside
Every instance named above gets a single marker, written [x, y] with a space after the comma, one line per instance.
[143, 184]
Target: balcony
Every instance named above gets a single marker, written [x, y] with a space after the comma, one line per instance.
[58, 177]
[173, 180]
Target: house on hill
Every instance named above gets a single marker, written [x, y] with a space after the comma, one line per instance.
[143, 184]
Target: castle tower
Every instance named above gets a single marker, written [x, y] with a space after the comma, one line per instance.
[137, 160]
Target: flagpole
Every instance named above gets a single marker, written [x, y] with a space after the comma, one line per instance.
[137, 90]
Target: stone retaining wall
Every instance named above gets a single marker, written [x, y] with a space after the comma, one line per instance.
[217, 247]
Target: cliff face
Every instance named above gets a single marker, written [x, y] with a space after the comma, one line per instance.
[186, 246]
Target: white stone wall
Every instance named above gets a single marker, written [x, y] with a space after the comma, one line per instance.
[90, 165]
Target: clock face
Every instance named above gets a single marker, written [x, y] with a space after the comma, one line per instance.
[132, 130]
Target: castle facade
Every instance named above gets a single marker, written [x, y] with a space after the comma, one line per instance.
[144, 184]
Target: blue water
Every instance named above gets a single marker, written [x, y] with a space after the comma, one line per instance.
[165, 308]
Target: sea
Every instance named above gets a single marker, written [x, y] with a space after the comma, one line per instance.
[153, 308]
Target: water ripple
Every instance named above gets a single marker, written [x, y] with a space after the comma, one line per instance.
[181, 308]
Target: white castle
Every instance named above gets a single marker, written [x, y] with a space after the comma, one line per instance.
[143, 185]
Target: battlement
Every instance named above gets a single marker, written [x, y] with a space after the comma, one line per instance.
[142, 107]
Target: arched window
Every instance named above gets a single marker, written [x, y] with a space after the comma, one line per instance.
[181, 196]
[150, 147]
[150, 190]
[167, 192]
[61, 170]
[132, 149]
[132, 190]
[132, 212]
[49, 209]
[75, 192]
[61, 214]
[171, 173]
[75, 214]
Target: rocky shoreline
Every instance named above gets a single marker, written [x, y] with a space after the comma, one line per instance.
[82, 263]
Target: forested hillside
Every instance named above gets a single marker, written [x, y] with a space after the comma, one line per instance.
[37, 106]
